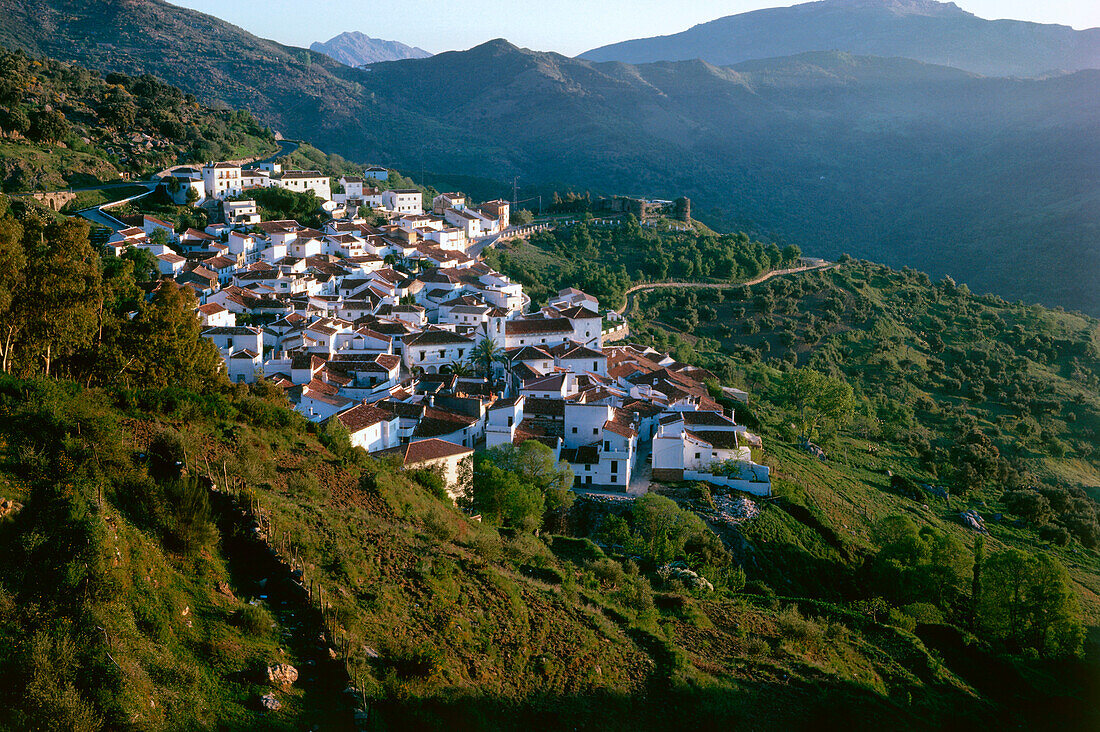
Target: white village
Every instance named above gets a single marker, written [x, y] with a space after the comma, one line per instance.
[395, 327]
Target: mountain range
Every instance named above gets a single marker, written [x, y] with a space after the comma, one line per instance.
[994, 181]
[925, 30]
[358, 49]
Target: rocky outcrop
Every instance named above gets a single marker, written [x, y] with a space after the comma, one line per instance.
[282, 675]
[9, 507]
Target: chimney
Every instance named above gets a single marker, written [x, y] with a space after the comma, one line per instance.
[431, 400]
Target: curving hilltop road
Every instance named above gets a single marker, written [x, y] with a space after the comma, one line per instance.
[629, 303]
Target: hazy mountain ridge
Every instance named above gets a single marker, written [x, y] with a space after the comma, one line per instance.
[353, 48]
[924, 30]
[994, 181]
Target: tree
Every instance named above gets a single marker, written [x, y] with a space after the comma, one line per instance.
[814, 400]
[791, 254]
[145, 262]
[1027, 601]
[663, 529]
[533, 464]
[504, 499]
[522, 217]
[460, 369]
[57, 297]
[16, 120]
[162, 345]
[485, 354]
[48, 126]
[1031, 506]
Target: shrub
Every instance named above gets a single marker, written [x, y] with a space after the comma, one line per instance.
[254, 620]
[796, 627]
[1055, 534]
[432, 481]
[189, 526]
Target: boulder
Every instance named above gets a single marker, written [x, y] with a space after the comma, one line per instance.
[9, 507]
[814, 450]
[270, 703]
[690, 578]
[972, 520]
[282, 675]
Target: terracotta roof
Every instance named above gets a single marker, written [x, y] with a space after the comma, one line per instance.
[623, 430]
[362, 416]
[423, 451]
[537, 327]
[437, 338]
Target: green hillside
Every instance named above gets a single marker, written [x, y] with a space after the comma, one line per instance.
[63, 126]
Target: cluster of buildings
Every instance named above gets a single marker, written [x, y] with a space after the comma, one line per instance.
[419, 349]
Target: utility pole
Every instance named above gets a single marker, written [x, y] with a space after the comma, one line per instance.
[515, 192]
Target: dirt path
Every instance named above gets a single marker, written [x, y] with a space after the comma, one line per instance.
[718, 285]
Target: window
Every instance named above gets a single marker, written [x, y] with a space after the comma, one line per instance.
[607, 445]
[574, 430]
[510, 421]
[614, 466]
[595, 365]
[697, 456]
[595, 430]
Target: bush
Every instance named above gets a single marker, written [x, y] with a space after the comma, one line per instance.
[254, 620]
[167, 454]
[432, 481]
[1055, 534]
[924, 613]
[796, 627]
[189, 526]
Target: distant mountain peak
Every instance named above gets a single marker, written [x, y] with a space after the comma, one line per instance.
[908, 7]
[933, 32]
[354, 48]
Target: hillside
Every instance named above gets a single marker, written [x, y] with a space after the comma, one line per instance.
[176, 538]
[925, 30]
[358, 49]
[993, 181]
[888, 159]
[63, 126]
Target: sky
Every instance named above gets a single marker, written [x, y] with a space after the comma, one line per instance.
[566, 26]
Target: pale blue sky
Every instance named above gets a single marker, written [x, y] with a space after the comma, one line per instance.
[567, 26]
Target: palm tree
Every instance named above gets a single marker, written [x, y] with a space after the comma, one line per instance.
[485, 354]
[460, 369]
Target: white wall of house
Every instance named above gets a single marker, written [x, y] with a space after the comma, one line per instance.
[243, 369]
[584, 423]
[221, 181]
[380, 436]
[403, 201]
[432, 358]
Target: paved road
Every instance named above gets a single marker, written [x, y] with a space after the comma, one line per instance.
[286, 147]
[98, 215]
[475, 249]
[716, 285]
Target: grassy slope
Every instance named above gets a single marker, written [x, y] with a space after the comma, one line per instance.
[472, 628]
[170, 128]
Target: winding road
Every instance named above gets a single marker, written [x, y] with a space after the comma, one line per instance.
[630, 293]
[99, 215]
